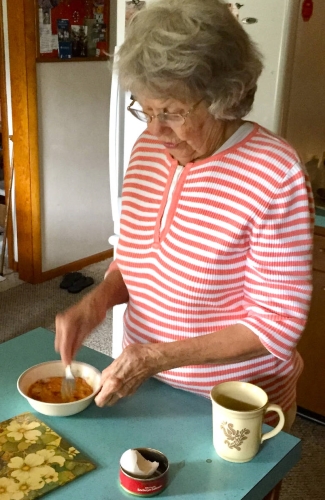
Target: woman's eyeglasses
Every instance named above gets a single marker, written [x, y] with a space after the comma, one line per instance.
[166, 118]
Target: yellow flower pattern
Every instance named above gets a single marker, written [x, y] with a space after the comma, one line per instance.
[35, 459]
[24, 430]
[72, 452]
[9, 489]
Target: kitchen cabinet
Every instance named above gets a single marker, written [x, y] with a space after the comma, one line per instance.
[311, 385]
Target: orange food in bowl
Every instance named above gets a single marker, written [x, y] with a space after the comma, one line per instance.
[48, 390]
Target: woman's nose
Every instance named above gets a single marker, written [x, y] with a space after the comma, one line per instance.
[157, 127]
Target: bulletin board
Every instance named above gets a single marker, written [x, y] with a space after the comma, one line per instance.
[72, 30]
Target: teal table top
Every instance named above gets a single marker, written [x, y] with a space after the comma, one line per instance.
[173, 421]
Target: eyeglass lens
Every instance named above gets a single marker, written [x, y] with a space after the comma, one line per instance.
[162, 117]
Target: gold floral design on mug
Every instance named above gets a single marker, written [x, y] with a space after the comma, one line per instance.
[234, 438]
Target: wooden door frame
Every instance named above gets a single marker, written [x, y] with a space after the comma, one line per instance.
[22, 48]
[5, 138]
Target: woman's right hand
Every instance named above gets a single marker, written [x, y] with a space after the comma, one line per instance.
[72, 327]
[77, 322]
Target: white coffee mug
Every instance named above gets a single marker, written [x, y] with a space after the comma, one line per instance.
[238, 410]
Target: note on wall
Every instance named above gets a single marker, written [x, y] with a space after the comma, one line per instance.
[45, 31]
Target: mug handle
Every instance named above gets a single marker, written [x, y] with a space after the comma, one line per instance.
[280, 425]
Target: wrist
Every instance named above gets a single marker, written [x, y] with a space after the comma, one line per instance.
[161, 357]
[94, 306]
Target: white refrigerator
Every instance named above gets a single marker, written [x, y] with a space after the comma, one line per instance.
[290, 98]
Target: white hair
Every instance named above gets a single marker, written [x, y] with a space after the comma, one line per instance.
[191, 49]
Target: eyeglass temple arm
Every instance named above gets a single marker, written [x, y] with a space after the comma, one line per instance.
[132, 102]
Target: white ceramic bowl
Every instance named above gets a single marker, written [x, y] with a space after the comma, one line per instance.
[56, 369]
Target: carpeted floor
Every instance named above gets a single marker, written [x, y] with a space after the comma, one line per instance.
[306, 481]
[24, 307]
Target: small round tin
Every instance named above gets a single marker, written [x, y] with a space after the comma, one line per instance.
[147, 486]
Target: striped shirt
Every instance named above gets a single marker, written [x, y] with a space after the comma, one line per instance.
[236, 247]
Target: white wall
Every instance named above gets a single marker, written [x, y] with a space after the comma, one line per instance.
[73, 114]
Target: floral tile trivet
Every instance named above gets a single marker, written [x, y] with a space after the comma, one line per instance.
[35, 460]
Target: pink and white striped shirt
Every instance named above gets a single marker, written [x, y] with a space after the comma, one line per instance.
[236, 247]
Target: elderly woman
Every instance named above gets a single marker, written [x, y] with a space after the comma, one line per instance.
[214, 255]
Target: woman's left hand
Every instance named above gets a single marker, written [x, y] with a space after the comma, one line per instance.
[138, 362]
[126, 373]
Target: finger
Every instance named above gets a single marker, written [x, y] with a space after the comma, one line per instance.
[57, 339]
[62, 341]
[113, 399]
[111, 387]
[75, 346]
[109, 401]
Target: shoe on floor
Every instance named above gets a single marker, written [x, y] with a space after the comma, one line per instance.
[80, 284]
[69, 279]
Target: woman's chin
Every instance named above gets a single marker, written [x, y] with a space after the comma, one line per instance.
[179, 153]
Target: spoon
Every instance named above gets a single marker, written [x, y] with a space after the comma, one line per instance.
[68, 384]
